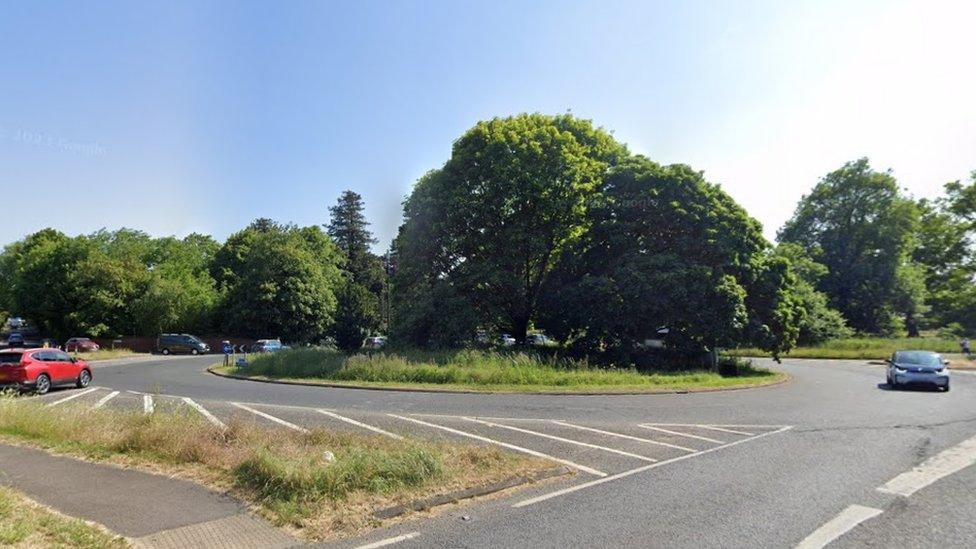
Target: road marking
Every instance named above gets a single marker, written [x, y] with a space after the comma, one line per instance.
[680, 434]
[359, 424]
[105, 399]
[621, 435]
[724, 430]
[571, 489]
[389, 541]
[561, 439]
[936, 467]
[270, 417]
[205, 413]
[148, 406]
[74, 396]
[531, 452]
[838, 526]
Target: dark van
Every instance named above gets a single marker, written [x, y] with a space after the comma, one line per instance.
[181, 343]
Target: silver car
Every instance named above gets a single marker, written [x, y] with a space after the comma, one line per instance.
[918, 367]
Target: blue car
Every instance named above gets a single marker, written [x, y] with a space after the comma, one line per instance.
[268, 346]
[918, 368]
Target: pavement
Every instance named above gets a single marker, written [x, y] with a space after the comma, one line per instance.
[799, 464]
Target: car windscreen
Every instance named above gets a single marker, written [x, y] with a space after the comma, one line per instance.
[919, 358]
[10, 358]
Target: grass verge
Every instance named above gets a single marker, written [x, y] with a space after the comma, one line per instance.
[469, 370]
[321, 484]
[24, 523]
[866, 348]
[105, 354]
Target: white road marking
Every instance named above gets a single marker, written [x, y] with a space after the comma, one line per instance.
[389, 541]
[105, 399]
[205, 413]
[571, 489]
[936, 467]
[270, 417]
[621, 435]
[680, 434]
[838, 526]
[561, 439]
[359, 424]
[724, 430]
[531, 452]
[148, 406]
[72, 397]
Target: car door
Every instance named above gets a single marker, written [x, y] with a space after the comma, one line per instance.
[62, 366]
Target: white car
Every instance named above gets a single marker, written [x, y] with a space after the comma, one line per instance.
[506, 340]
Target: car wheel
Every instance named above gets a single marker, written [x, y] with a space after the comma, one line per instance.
[946, 388]
[892, 383]
[165, 351]
[43, 384]
[194, 352]
[84, 378]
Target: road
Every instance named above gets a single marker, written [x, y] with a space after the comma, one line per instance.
[768, 467]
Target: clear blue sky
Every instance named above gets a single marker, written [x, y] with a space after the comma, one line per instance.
[200, 116]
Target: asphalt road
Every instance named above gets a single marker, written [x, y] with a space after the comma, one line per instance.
[761, 467]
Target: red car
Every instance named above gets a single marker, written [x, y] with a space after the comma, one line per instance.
[80, 345]
[41, 369]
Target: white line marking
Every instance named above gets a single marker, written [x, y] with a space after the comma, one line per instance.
[838, 526]
[621, 435]
[270, 417]
[724, 430]
[105, 399]
[680, 434]
[583, 468]
[72, 397]
[737, 426]
[561, 439]
[148, 406]
[389, 541]
[359, 424]
[571, 489]
[205, 413]
[940, 465]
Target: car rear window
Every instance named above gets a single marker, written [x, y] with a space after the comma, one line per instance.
[10, 358]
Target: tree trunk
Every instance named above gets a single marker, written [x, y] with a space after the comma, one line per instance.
[912, 325]
[519, 328]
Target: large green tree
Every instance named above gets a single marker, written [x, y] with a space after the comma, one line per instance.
[350, 232]
[857, 223]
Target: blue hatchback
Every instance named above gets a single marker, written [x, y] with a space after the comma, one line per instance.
[918, 367]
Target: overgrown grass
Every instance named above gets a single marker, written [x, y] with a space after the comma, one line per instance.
[104, 354]
[24, 523]
[867, 348]
[480, 370]
[323, 482]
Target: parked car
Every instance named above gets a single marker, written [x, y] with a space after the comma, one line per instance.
[41, 369]
[540, 340]
[181, 343]
[15, 339]
[375, 342]
[918, 367]
[506, 340]
[80, 344]
[268, 346]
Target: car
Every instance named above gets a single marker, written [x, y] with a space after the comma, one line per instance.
[42, 369]
[540, 340]
[80, 344]
[15, 339]
[506, 340]
[375, 342]
[181, 343]
[267, 346]
[918, 368]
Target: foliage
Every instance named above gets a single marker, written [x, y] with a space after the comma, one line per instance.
[857, 224]
[356, 316]
[819, 322]
[278, 281]
[350, 232]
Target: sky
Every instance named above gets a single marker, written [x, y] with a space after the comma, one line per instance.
[178, 117]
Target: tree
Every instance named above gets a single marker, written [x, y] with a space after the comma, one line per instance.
[278, 281]
[668, 251]
[857, 224]
[356, 316]
[819, 321]
[511, 198]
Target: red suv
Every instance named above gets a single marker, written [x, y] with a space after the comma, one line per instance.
[41, 369]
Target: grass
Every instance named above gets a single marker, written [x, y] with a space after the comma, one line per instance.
[104, 354]
[866, 348]
[24, 523]
[320, 484]
[480, 371]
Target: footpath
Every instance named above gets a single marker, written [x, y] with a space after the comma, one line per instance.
[152, 511]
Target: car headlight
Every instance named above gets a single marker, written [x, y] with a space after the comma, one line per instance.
[901, 370]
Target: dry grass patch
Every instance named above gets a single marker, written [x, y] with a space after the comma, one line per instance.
[322, 484]
[24, 523]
